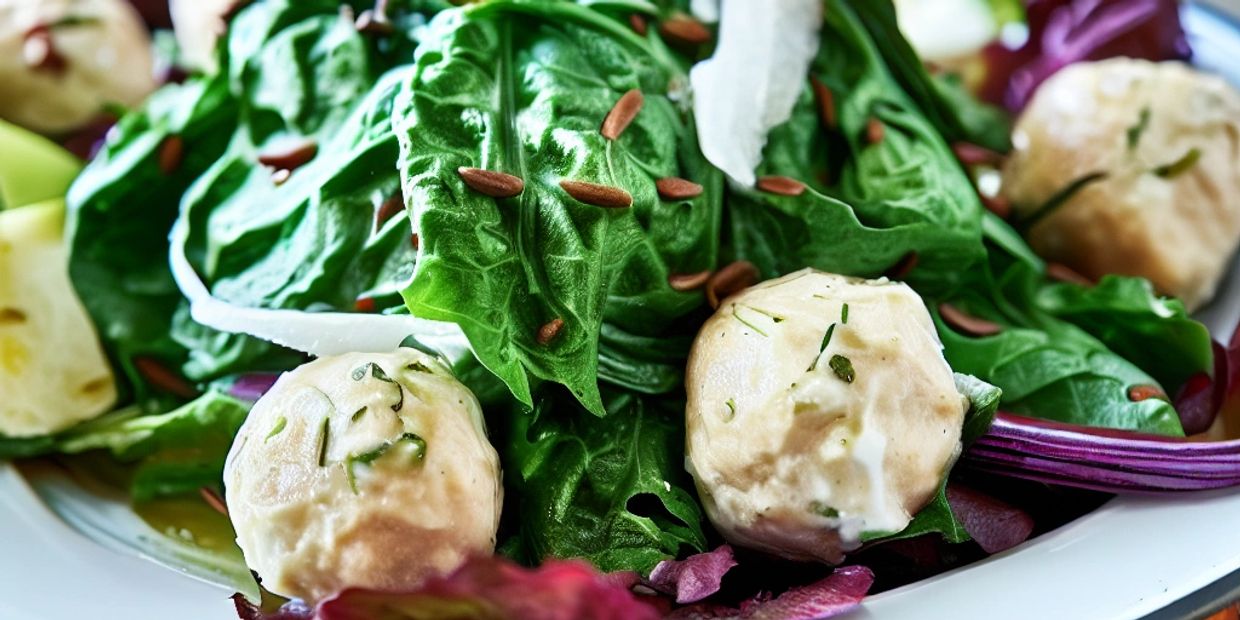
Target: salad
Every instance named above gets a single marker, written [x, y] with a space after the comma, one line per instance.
[610, 308]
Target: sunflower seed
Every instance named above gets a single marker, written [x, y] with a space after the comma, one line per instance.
[491, 183]
[688, 281]
[826, 102]
[1063, 273]
[968, 323]
[732, 279]
[598, 195]
[784, 186]
[290, 155]
[637, 22]
[621, 114]
[549, 331]
[171, 151]
[684, 31]
[875, 131]
[676, 188]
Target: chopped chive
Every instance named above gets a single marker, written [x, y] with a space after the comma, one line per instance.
[419, 445]
[1135, 132]
[1179, 166]
[823, 510]
[357, 415]
[843, 368]
[746, 323]
[774, 317]
[826, 340]
[844, 314]
[323, 431]
[419, 367]
[281, 422]
[359, 373]
[731, 409]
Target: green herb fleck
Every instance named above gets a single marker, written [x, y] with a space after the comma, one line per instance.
[1060, 198]
[419, 367]
[419, 445]
[746, 323]
[1135, 132]
[823, 510]
[826, 340]
[357, 415]
[366, 458]
[1179, 166]
[281, 422]
[843, 368]
[323, 431]
[731, 409]
[844, 314]
[775, 318]
[359, 373]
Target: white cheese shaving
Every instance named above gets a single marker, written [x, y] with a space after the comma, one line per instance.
[752, 81]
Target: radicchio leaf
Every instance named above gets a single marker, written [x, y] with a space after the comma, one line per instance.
[1062, 32]
[995, 525]
[693, 578]
[839, 593]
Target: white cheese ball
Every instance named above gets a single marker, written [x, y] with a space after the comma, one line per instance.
[199, 24]
[53, 372]
[798, 449]
[362, 470]
[1133, 120]
[104, 50]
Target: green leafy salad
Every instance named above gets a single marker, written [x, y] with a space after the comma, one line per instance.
[412, 292]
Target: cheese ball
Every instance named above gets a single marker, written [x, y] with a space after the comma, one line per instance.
[819, 408]
[198, 25]
[1165, 140]
[362, 470]
[63, 61]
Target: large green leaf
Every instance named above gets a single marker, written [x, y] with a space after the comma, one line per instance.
[612, 490]
[522, 88]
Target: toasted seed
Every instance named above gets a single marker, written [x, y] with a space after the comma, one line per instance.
[213, 500]
[621, 114]
[1064, 273]
[997, 205]
[875, 131]
[733, 278]
[903, 267]
[491, 183]
[364, 304]
[170, 152]
[826, 102]
[637, 22]
[685, 31]
[1138, 393]
[784, 186]
[598, 195]
[967, 323]
[11, 316]
[390, 207]
[280, 176]
[550, 330]
[289, 156]
[688, 281]
[163, 379]
[971, 154]
[415, 241]
[676, 188]
[39, 50]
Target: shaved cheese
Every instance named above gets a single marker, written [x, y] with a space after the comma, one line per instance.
[752, 81]
[315, 333]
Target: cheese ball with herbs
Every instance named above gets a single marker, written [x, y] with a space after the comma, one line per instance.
[62, 62]
[820, 408]
[1131, 167]
[363, 470]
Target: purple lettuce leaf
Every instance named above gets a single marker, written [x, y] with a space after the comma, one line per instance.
[995, 525]
[838, 593]
[693, 578]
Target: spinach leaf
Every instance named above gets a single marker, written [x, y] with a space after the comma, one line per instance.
[1155, 333]
[172, 453]
[901, 188]
[522, 88]
[612, 490]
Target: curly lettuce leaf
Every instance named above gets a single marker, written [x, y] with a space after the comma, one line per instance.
[612, 490]
[522, 88]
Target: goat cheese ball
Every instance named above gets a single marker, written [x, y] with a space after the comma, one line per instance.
[63, 61]
[1162, 143]
[362, 470]
[199, 24]
[819, 408]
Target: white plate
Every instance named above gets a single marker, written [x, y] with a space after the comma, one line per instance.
[1129, 558]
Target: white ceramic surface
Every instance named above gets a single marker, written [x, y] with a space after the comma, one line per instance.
[1129, 558]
